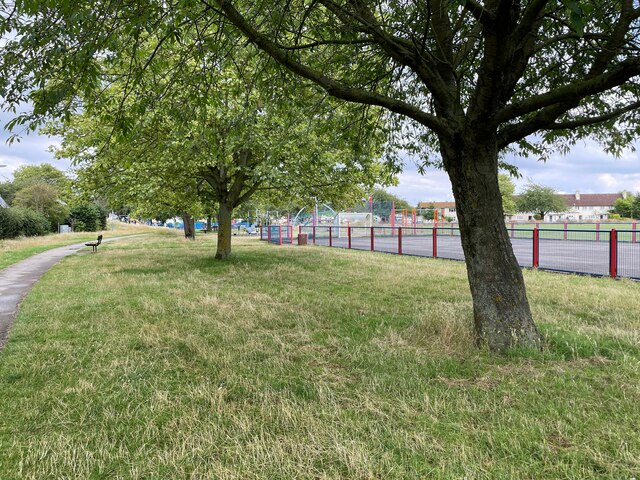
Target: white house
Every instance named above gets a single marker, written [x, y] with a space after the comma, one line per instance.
[581, 207]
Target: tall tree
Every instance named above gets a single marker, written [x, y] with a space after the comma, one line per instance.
[42, 198]
[540, 200]
[467, 79]
[228, 131]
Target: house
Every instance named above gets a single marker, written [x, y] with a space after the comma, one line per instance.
[581, 207]
[3, 204]
[448, 209]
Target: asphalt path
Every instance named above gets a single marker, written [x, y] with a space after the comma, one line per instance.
[578, 256]
[18, 279]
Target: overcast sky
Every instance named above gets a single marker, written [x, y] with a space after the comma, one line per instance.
[586, 169]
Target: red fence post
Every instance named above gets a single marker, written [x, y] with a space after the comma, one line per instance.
[269, 233]
[634, 226]
[280, 233]
[314, 234]
[536, 247]
[349, 236]
[299, 229]
[330, 238]
[565, 230]
[435, 242]
[372, 247]
[399, 240]
[597, 232]
[290, 234]
[613, 253]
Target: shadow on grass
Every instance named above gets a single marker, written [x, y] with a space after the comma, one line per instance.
[568, 345]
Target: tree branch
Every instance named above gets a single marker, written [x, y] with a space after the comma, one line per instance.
[573, 92]
[331, 86]
[586, 121]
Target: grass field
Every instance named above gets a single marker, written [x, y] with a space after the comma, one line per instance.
[13, 251]
[151, 360]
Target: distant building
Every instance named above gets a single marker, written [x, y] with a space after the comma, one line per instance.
[581, 207]
[448, 209]
[3, 204]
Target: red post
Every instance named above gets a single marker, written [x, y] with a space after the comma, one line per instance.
[299, 229]
[290, 234]
[314, 234]
[536, 247]
[280, 233]
[634, 226]
[330, 238]
[597, 232]
[399, 240]
[613, 253]
[269, 233]
[435, 241]
[565, 230]
[372, 246]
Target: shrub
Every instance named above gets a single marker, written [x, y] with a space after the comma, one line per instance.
[16, 222]
[88, 217]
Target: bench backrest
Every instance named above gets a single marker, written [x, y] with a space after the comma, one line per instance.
[99, 239]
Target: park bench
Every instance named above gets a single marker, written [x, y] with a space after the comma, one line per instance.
[94, 245]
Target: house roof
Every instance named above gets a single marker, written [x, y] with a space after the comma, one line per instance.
[572, 200]
[437, 205]
[591, 199]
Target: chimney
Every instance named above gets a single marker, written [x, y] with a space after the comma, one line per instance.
[577, 195]
[625, 194]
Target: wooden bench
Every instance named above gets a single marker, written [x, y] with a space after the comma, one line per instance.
[94, 245]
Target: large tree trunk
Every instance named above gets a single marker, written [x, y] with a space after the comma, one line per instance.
[224, 230]
[189, 226]
[502, 316]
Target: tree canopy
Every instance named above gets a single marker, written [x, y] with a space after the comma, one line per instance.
[540, 200]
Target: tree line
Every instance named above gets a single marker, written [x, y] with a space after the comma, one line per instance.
[40, 198]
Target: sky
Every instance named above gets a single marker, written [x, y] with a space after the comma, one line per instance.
[586, 168]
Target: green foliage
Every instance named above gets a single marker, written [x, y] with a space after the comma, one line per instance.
[17, 222]
[8, 191]
[507, 189]
[429, 214]
[43, 198]
[540, 200]
[28, 175]
[87, 217]
[623, 207]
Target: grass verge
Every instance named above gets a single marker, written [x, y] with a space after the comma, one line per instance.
[155, 361]
[13, 251]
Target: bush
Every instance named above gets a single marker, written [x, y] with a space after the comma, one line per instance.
[16, 222]
[88, 217]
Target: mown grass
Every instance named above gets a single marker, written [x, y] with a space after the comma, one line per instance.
[152, 360]
[15, 250]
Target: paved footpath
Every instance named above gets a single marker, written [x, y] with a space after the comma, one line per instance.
[18, 279]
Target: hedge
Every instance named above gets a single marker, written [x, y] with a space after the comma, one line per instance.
[17, 222]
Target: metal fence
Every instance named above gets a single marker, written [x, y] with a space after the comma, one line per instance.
[614, 253]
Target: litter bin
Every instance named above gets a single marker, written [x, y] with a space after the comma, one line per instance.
[302, 239]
